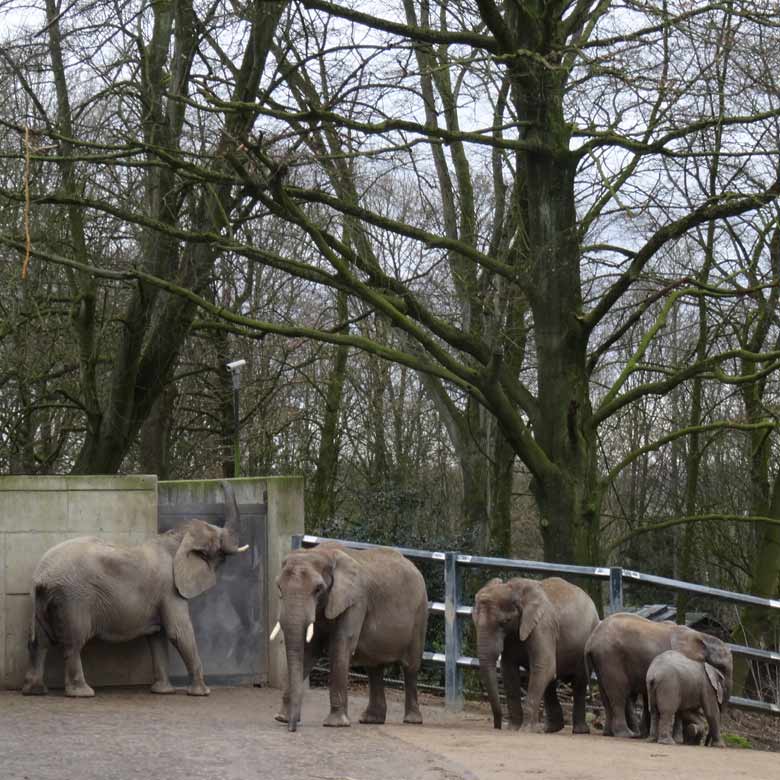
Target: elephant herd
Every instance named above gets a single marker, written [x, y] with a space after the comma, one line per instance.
[369, 608]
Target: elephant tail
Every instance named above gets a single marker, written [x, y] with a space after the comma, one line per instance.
[591, 668]
[39, 621]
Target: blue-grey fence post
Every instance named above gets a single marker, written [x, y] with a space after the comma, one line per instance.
[296, 542]
[453, 675]
[615, 589]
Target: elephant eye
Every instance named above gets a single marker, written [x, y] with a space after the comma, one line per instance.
[318, 588]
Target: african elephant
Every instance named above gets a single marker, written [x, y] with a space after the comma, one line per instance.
[678, 687]
[363, 607]
[541, 625]
[621, 649]
[87, 587]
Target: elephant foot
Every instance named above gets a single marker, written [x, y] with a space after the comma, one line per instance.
[82, 691]
[281, 717]
[532, 728]
[623, 732]
[718, 743]
[414, 716]
[34, 688]
[377, 718]
[580, 728]
[162, 688]
[553, 726]
[337, 719]
[198, 689]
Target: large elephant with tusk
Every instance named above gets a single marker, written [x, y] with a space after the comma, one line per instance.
[360, 607]
[87, 587]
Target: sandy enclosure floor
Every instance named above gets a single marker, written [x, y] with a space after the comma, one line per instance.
[124, 734]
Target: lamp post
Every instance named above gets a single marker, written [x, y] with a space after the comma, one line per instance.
[235, 370]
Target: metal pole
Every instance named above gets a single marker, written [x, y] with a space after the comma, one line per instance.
[297, 542]
[236, 424]
[615, 589]
[453, 675]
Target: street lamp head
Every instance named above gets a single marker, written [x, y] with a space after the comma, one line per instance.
[235, 365]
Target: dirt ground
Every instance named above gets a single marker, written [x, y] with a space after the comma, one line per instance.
[129, 735]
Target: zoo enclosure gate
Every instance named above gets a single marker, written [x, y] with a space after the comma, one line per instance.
[454, 610]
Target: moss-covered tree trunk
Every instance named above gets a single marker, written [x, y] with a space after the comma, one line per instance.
[322, 498]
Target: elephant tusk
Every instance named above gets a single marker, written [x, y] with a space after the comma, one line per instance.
[275, 632]
[243, 549]
[310, 632]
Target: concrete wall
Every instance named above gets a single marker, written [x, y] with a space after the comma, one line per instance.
[285, 518]
[35, 514]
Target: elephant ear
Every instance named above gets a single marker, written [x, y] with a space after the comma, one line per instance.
[536, 607]
[345, 589]
[716, 678]
[191, 572]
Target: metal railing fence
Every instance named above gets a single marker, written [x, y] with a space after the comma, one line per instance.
[454, 610]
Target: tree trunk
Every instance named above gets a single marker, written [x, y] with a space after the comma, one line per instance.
[322, 499]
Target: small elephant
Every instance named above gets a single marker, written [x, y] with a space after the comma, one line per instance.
[620, 651]
[363, 607]
[87, 587]
[678, 687]
[543, 626]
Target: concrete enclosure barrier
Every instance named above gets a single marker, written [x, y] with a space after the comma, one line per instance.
[38, 512]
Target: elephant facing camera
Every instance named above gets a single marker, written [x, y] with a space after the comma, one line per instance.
[359, 607]
[88, 588]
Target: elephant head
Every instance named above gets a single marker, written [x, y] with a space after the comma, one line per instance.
[517, 606]
[712, 652]
[203, 547]
[317, 584]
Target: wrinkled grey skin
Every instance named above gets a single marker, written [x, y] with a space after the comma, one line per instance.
[87, 587]
[540, 625]
[620, 651]
[369, 608]
[678, 687]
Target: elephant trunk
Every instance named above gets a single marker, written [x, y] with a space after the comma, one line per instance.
[488, 651]
[232, 529]
[294, 686]
[295, 622]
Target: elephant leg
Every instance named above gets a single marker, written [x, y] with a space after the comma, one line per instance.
[540, 675]
[412, 712]
[158, 644]
[75, 684]
[33, 679]
[339, 671]
[579, 723]
[677, 730]
[183, 639]
[617, 692]
[665, 727]
[510, 674]
[376, 711]
[553, 713]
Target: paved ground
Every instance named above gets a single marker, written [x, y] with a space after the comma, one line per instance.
[124, 735]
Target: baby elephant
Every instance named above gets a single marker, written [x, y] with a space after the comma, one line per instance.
[678, 686]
